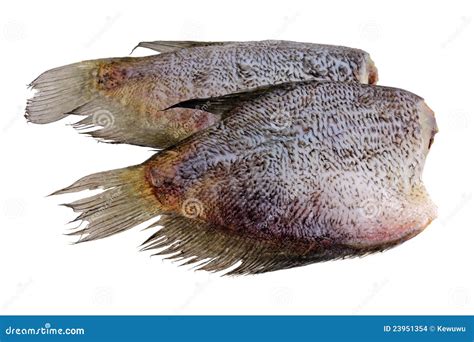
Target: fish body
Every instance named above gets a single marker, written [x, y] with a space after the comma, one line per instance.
[125, 99]
[292, 175]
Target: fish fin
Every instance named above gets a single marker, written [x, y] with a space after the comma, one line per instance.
[60, 91]
[127, 201]
[111, 122]
[222, 105]
[216, 249]
[163, 46]
[70, 90]
[108, 116]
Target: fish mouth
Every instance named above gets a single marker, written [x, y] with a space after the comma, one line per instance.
[376, 243]
[398, 227]
[429, 127]
[372, 72]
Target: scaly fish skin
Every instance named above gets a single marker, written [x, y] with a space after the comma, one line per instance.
[125, 98]
[293, 174]
[340, 150]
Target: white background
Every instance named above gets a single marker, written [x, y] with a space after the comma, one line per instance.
[424, 47]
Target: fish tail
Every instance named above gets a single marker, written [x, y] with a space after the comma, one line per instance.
[127, 201]
[60, 92]
[103, 93]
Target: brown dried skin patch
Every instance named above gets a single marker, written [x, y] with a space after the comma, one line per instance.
[176, 124]
[162, 174]
[126, 87]
[109, 77]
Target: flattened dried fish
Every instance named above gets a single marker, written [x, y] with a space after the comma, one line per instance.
[123, 99]
[294, 174]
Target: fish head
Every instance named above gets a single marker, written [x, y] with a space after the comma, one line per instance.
[428, 126]
[373, 75]
[369, 73]
[392, 204]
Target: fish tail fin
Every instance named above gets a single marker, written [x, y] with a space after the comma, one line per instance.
[60, 91]
[127, 201]
[113, 107]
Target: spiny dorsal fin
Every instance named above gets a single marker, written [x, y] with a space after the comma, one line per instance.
[223, 104]
[173, 45]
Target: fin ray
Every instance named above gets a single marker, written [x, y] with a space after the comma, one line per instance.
[222, 105]
[216, 249]
[164, 46]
